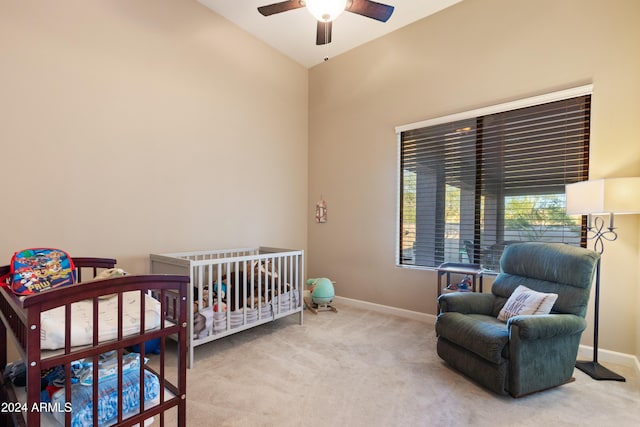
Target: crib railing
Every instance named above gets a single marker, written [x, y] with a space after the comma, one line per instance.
[235, 289]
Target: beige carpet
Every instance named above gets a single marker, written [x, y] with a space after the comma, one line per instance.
[363, 368]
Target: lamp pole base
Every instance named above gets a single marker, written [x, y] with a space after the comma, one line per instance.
[598, 372]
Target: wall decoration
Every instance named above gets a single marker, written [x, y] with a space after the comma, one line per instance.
[321, 211]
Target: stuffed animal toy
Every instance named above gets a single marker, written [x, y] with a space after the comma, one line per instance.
[268, 276]
[199, 323]
[219, 307]
[263, 276]
[199, 303]
[109, 273]
[255, 302]
[220, 291]
[265, 268]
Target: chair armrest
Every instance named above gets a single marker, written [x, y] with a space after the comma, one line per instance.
[467, 303]
[533, 327]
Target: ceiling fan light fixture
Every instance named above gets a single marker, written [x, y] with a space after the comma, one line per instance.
[326, 10]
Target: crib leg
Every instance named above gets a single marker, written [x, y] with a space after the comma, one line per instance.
[3, 341]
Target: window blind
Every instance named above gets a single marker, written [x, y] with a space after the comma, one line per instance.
[470, 186]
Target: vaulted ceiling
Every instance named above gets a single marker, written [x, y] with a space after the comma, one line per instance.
[294, 32]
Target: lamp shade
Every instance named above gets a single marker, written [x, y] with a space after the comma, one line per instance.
[604, 196]
[326, 10]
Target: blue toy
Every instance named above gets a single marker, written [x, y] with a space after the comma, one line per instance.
[321, 295]
[151, 346]
[223, 290]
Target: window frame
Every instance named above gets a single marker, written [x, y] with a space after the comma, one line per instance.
[466, 115]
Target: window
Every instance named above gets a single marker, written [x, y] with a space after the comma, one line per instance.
[474, 182]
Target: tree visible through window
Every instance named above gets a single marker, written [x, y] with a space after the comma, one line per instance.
[472, 185]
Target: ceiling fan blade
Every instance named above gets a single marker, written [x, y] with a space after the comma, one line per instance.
[323, 34]
[283, 6]
[371, 9]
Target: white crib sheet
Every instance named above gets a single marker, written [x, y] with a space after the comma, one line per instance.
[53, 324]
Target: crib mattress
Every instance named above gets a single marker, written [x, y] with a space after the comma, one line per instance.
[52, 321]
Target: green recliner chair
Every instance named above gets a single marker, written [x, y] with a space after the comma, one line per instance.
[525, 353]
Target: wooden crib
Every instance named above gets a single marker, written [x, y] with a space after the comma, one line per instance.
[21, 321]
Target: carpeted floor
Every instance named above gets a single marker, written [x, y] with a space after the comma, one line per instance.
[363, 368]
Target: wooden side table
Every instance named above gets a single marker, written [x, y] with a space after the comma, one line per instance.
[474, 271]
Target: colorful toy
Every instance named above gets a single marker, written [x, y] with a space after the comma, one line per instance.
[463, 286]
[223, 290]
[321, 294]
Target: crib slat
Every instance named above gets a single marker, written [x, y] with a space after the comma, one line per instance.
[273, 284]
[95, 359]
[140, 376]
[67, 328]
[163, 302]
[163, 340]
[210, 285]
[143, 313]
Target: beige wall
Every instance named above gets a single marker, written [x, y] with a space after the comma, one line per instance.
[139, 126]
[637, 307]
[155, 125]
[476, 53]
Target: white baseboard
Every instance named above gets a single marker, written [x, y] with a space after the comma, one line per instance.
[584, 352]
[414, 315]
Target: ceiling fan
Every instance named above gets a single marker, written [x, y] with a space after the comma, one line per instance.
[325, 11]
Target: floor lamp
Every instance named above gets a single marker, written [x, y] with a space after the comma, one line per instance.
[599, 199]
